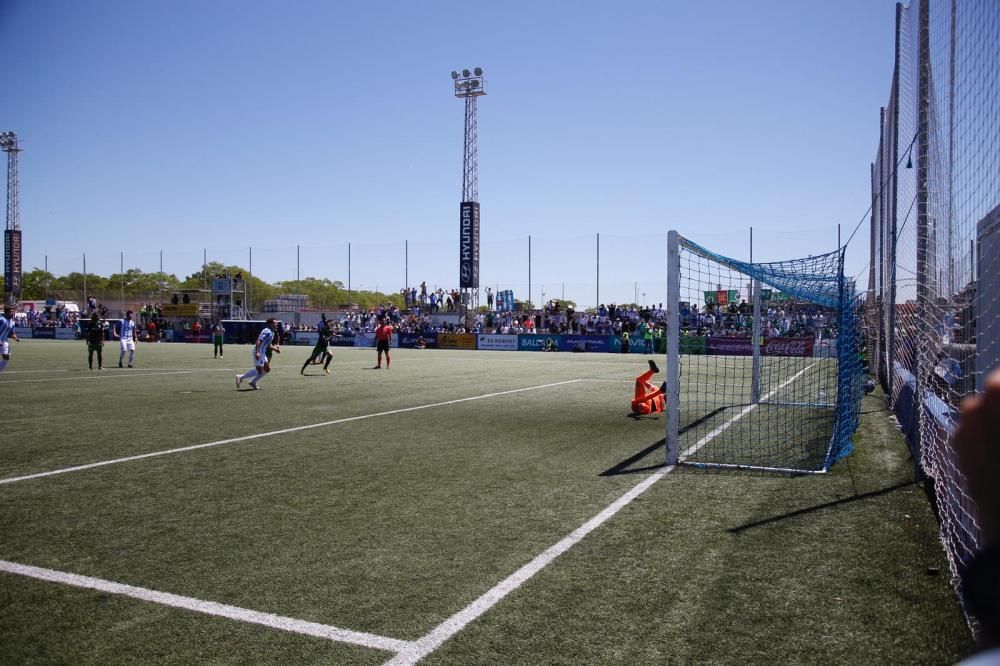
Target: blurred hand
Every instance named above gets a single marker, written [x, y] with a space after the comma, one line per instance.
[977, 442]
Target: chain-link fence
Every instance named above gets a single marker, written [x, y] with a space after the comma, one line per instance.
[935, 275]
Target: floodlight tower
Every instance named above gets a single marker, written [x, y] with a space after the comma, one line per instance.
[469, 86]
[12, 232]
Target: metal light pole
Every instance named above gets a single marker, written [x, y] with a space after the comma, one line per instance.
[12, 232]
[469, 86]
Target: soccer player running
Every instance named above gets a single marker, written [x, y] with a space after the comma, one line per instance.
[383, 334]
[6, 331]
[261, 361]
[128, 335]
[321, 350]
[95, 342]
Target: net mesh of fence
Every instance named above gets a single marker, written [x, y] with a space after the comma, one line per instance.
[769, 363]
[936, 239]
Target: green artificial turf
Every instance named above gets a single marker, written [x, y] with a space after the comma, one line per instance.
[393, 523]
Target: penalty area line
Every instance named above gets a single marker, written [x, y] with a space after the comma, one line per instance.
[429, 643]
[280, 622]
[124, 374]
[272, 433]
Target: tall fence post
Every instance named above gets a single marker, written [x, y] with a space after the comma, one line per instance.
[893, 213]
[529, 270]
[249, 289]
[920, 360]
[597, 299]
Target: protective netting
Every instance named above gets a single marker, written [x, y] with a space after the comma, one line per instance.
[769, 367]
[932, 306]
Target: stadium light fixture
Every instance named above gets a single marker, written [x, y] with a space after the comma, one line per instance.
[469, 83]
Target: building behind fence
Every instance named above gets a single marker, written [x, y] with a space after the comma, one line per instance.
[933, 315]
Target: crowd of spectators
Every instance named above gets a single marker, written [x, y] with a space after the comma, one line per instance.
[52, 316]
[786, 319]
[430, 302]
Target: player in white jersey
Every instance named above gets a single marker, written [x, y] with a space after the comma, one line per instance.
[6, 331]
[261, 359]
[128, 335]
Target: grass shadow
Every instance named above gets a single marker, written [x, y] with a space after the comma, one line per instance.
[820, 507]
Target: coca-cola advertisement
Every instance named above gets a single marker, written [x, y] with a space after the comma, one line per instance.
[788, 347]
[770, 346]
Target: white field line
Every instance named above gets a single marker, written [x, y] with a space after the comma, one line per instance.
[283, 431]
[209, 608]
[124, 374]
[31, 372]
[451, 355]
[419, 649]
[424, 646]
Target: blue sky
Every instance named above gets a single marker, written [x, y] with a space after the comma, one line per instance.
[177, 126]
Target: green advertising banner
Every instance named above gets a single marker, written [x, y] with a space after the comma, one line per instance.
[693, 344]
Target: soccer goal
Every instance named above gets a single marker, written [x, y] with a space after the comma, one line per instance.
[763, 362]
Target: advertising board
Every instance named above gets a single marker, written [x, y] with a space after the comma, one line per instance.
[456, 340]
[497, 342]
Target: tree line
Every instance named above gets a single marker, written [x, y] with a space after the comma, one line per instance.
[37, 284]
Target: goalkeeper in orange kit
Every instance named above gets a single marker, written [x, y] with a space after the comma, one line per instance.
[648, 399]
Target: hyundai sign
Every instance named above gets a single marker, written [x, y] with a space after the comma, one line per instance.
[468, 246]
[12, 259]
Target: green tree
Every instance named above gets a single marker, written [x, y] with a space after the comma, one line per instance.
[34, 284]
[140, 284]
[73, 282]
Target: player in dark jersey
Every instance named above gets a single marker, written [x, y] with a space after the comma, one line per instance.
[95, 342]
[383, 334]
[320, 352]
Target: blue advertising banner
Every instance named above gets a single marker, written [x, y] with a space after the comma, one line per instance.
[305, 337]
[410, 339]
[44, 333]
[536, 342]
[342, 341]
[585, 343]
[636, 345]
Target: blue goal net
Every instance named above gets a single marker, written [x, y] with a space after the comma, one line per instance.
[767, 361]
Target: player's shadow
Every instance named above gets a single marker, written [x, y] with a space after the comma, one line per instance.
[819, 507]
[625, 466]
